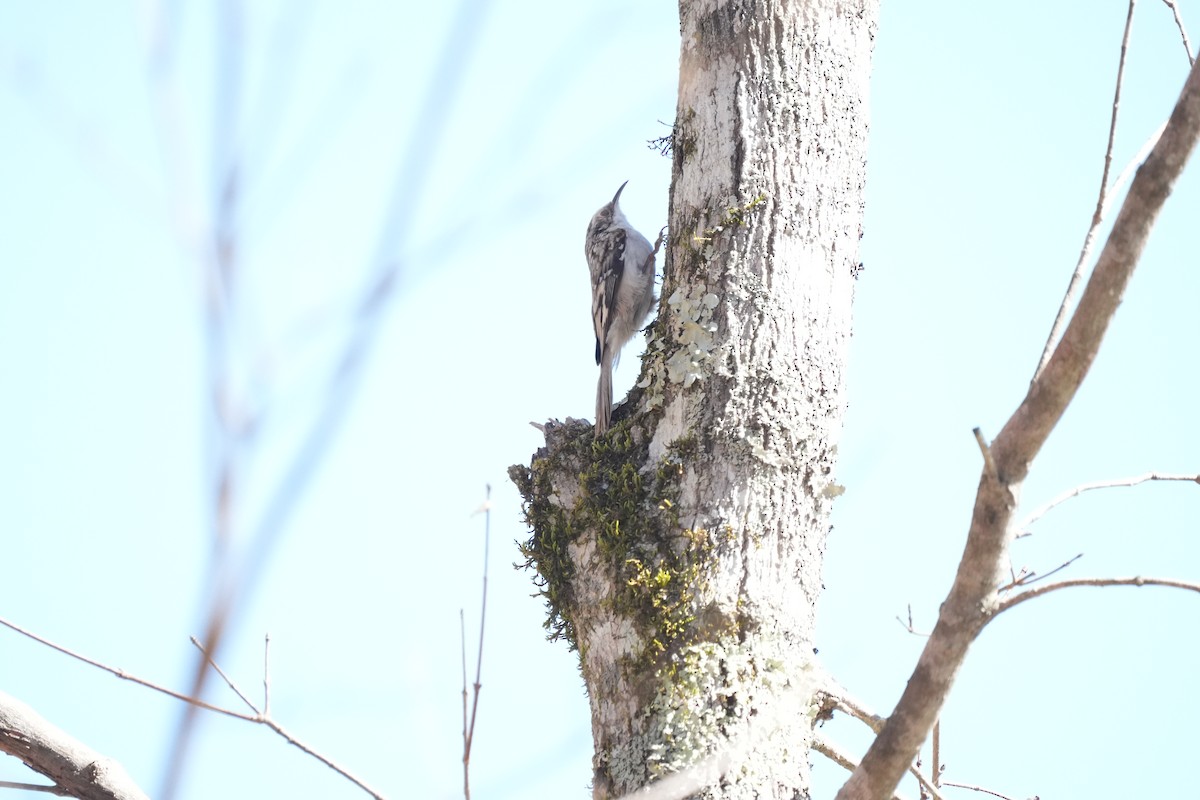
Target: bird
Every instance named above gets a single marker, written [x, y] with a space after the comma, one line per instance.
[621, 264]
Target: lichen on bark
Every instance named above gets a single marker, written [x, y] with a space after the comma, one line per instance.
[681, 552]
[617, 520]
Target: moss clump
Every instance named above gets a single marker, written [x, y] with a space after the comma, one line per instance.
[632, 516]
[545, 552]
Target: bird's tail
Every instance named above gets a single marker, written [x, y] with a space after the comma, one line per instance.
[604, 396]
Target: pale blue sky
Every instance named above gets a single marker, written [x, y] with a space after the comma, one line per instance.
[987, 135]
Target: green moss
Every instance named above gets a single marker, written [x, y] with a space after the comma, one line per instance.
[657, 565]
[545, 552]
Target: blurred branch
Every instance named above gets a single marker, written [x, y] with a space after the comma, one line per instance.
[973, 598]
[235, 581]
[123, 177]
[223, 422]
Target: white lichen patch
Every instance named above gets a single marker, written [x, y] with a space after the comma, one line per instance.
[694, 343]
[744, 704]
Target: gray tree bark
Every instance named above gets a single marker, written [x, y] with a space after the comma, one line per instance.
[681, 552]
[74, 768]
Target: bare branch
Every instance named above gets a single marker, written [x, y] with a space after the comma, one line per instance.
[1017, 599]
[1060, 319]
[973, 598]
[287, 736]
[260, 719]
[76, 769]
[1047, 399]
[122, 674]
[1109, 484]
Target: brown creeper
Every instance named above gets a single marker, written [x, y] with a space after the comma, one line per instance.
[621, 261]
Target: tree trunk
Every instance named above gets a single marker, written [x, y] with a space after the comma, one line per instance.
[681, 552]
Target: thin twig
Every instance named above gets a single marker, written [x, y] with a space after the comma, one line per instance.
[1187, 46]
[462, 630]
[34, 787]
[1060, 319]
[122, 674]
[908, 626]
[469, 730]
[333, 765]
[1108, 484]
[256, 718]
[977, 789]
[1028, 578]
[224, 677]
[1137, 580]
[266, 675]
